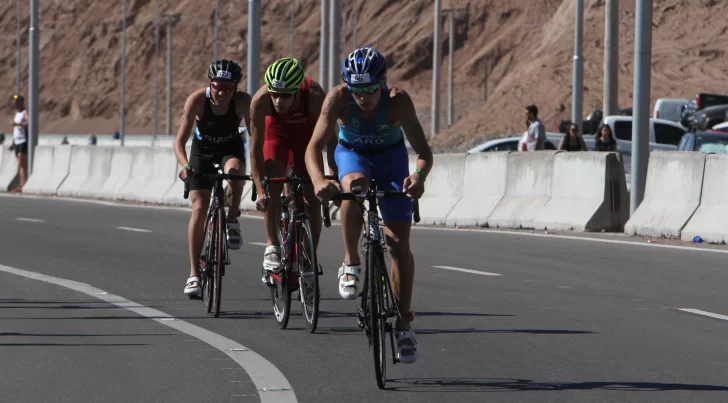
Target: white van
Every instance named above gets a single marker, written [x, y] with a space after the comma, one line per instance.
[669, 109]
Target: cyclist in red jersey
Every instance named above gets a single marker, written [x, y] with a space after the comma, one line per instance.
[283, 114]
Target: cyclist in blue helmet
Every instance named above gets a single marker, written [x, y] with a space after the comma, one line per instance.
[371, 116]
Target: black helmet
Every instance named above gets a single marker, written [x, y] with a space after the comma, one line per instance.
[225, 70]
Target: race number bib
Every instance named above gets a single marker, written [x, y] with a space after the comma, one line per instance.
[224, 74]
[278, 84]
[361, 78]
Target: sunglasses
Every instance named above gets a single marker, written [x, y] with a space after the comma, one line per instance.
[365, 90]
[223, 87]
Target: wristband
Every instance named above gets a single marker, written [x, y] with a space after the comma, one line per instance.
[187, 165]
[422, 173]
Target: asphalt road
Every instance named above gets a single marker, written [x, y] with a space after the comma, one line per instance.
[564, 320]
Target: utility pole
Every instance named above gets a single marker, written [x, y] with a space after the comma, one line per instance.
[34, 59]
[577, 86]
[293, 28]
[216, 28]
[334, 48]
[324, 46]
[436, 73]
[253, 45]
[122, 105]
[610, 104]
[451, 49]
[641, 101]
[18, 43]
[171, 19]
[156, 76]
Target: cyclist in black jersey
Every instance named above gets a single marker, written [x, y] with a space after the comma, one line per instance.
[217, 111]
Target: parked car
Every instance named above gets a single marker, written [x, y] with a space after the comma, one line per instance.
[669, 109]
[664, 133]
[513, 143]
[708, 117]
[707, 142]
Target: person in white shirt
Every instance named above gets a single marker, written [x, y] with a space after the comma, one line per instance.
[20, 138]
[536, 129]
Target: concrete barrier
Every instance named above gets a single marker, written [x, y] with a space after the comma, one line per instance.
[672, 194]
[142, 170]
[163, 176]
[119, 173]
[710, 220]
[8, 169]
[101, 160]
[88, 168]
[445, 184]
[483, 188]
[528, 189]
[51, 164]
[588, 193]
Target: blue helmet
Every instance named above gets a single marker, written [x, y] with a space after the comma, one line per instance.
[364, 66]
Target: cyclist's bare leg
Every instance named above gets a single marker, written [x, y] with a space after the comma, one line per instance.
[196, 229]
[351, 219]
[273, 169]
[313, 208]
[403, 268]
[235, 166]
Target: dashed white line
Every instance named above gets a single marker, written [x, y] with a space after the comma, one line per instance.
[482, 273]
[258, 243]
[704, 313]
[272, 385]
[29, 219]
[134, 229]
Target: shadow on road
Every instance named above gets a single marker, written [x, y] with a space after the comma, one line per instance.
[526, 385]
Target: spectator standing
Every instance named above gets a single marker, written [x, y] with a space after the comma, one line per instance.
[536, 138]
[20, 138]
[573, 140]
[605, 141]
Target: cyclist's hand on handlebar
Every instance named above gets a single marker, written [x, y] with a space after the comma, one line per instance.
[326, 188]
[183, 173]
[414, 186]
[261, 204]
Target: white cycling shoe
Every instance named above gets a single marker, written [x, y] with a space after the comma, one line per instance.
[406, 346]
[349, 289]
[193, 290]
[234, 236]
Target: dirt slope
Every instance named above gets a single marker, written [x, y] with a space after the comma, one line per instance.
[525, 44]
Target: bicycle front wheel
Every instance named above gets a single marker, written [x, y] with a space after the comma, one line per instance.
[219, 261]
[308, 276]
[208, 280]
[377, 314]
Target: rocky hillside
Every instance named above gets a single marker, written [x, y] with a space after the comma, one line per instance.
[525, 46]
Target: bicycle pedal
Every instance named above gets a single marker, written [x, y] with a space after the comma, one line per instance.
[320, 270]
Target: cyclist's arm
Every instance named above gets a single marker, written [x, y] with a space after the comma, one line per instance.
[407, 116]
[259, 109]
[186, 123]
[316, 99]
[323, 132]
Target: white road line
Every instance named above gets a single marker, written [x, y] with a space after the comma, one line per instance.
[272, 385]
[704, 313]
[258, 243]
[483, 273]
[29, 219]
[134, 229]
[639, 243]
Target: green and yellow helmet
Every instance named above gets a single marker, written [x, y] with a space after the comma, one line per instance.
[284, 75]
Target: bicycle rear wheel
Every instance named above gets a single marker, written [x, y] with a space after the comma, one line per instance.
[308, 288]
[219, 261]
[377, 314]
[281, 293]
